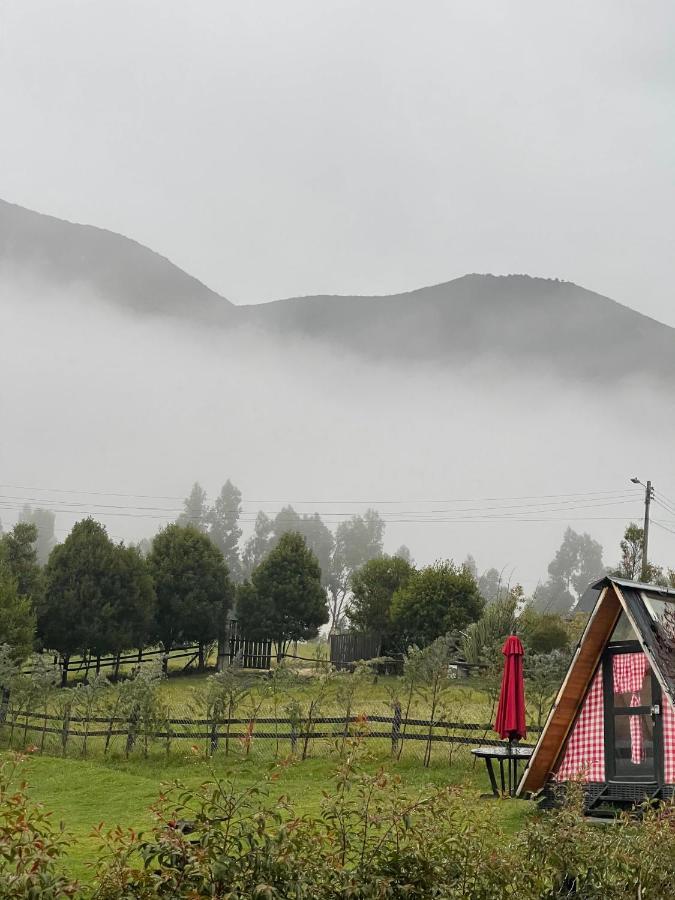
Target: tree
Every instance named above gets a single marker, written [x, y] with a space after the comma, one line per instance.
[577, 563]
[632, 549]
[17, 618]
[258, 545]
[223, 525]
[435, 600]
[542, 632]
[193, 587]
[372, 587]
[17, 549]
[131, 614]
[194, 509]
[317, 535]
[491, 586]
[403, 552]
[98, 595]
[285, 598]
[470, 565]
[44, 520]
[356, 541]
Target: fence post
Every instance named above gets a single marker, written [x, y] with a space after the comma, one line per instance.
[132, 729]
[4, 704]
[396, 729]
[214, 737]
[65, 730]
[64, 671]
[116, 673]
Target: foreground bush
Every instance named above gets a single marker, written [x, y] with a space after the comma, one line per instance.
[370, 840]
[31, 845]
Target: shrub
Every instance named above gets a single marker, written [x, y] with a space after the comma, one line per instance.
[31, 846]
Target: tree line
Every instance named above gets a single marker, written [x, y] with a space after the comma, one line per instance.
[293, 575]
[100, 597]
[355, 540]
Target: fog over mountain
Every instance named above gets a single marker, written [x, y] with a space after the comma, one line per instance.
[123, 375]
[555, 325]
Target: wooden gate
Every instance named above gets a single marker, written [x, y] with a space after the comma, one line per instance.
[249, 654]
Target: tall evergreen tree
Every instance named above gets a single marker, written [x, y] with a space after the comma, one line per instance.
[17, 618]
[223, 527]
[356, 541]
[18, 551]
[285, 599]
[193, 587]
[258, 545]
[44, 520]
[317, 535]
[98, 596]
[195, 511]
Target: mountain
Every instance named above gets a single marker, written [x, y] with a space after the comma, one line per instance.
[515, 319]
[520, 319]
[121, 271]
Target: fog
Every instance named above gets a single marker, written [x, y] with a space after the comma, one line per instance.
[116, 415]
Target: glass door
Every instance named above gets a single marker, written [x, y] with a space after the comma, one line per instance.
[632, 698]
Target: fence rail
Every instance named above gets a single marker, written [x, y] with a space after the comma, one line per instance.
[74, 734]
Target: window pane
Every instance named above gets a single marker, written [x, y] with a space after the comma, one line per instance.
[623, 630]
[634, 746]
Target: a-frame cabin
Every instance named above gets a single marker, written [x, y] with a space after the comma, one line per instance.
[612, 725]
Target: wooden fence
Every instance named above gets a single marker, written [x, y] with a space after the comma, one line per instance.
[346, 649]
[246, 653]
[66, 733]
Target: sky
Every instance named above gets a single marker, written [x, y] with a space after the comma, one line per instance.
[284, 148]
[276, 149]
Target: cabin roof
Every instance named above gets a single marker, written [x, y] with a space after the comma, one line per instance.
[648, 608]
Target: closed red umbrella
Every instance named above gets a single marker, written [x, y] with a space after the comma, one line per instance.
[510, 720]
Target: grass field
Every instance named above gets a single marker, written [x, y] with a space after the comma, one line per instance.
[84, 793]
[114, 790]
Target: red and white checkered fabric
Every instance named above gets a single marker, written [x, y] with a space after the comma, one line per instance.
[668, 723]
[584, 756]
[628, 672]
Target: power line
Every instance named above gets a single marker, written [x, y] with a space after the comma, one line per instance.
[318, 502]
[664, 504]
[664, 527]
[583, 502]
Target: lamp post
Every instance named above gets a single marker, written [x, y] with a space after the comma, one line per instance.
[649, 494]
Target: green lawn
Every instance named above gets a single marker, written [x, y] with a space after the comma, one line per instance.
[84, 793]
[466, 700]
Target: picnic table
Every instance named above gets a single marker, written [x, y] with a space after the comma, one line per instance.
[510, 754]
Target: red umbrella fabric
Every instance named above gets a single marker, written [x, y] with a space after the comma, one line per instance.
[510, 721]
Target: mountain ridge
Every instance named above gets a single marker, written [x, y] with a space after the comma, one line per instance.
[550, 323]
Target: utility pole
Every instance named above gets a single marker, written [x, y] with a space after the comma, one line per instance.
[649, 495]
[645, 543]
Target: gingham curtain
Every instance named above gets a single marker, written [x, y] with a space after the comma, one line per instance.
[629, 671]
